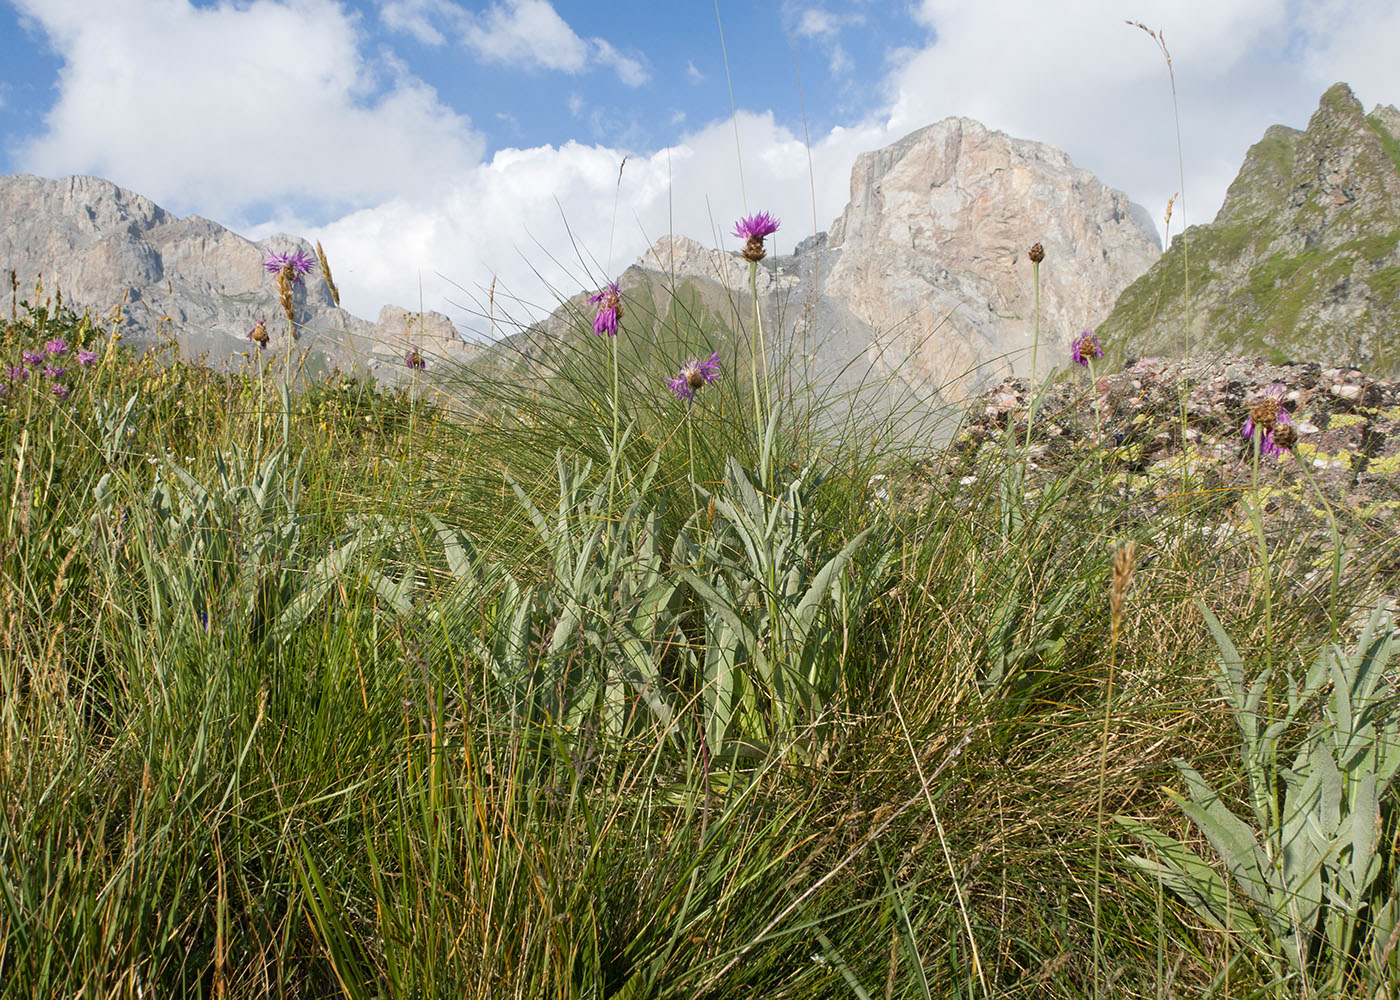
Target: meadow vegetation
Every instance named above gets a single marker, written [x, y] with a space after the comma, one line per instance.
[517, 684]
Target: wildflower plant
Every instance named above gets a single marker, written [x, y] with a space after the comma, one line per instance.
[1310, 888]
[753, 230]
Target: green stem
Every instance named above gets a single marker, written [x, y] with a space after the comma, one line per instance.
[758, 349]
[1098, 817]
[1035, 350]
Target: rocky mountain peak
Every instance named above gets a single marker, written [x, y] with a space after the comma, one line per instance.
[1303, 259]
[933, 249]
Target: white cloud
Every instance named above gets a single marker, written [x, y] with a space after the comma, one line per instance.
[692, 73]
[630, 71]
[531, 33]
[225, 107]
[528, 32]
[415, 17]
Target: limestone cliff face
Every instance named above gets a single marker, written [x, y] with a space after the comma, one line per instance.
[104, 247]
[933, 250]
[1302, 262]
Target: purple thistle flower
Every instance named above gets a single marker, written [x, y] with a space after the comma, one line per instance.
[60, 390]
[32, 358]
[86, 358]
[752, 229]
[300, 261]
[258, 334]
[414, 360]
[1085, 348]
[759, 224]
[16, 373]
[56, 346]
[54, 371]
[609, 303]
[693, 376]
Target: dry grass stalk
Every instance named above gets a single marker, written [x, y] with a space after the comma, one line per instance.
[326, 273]
[1124, 562]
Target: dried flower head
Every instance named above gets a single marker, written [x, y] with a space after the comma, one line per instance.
[1124, 562]
[298, 261]
[1085, 348]
[693, 376]
[609, 303]
[1266, 415]
[752, 229]
[258, 334]
[56, 346]
[1284, 437]
[1037, 253]
[1267, 418]
[414, 360]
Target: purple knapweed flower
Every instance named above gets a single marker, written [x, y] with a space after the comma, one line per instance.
[54, 371]
[258, 334]
[752, 229]
[1085, 348]
[86, 358]
[1264, 417]
[414, 360]
[32, 358]
[56, 346]
[609, 303]
[16, 373]
[694, 376]
[60, 390]
[300, 261]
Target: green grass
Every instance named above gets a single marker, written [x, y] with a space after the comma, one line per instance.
[350, 722]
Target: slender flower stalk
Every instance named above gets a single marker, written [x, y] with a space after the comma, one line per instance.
[693, 376]
[753, 229]
[1036, 255]
[607, 321]
[1083, 351]
[1124, 562]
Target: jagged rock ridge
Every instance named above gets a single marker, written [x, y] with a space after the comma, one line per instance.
[1303, 259]
[102, 247]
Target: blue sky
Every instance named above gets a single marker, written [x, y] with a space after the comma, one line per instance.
[436, 145]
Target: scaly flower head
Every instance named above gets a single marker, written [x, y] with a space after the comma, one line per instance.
[258, 334]
[1268, 417]
[54, 371]
[86, 358]
[693, 376]
[609, 303]
[56, 346]
[299, 261]
[1085, 348]
[414, 360]
[752, 229]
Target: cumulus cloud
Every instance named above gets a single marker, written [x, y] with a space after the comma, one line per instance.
[223, 107]
[531, 33]
[416, 18]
